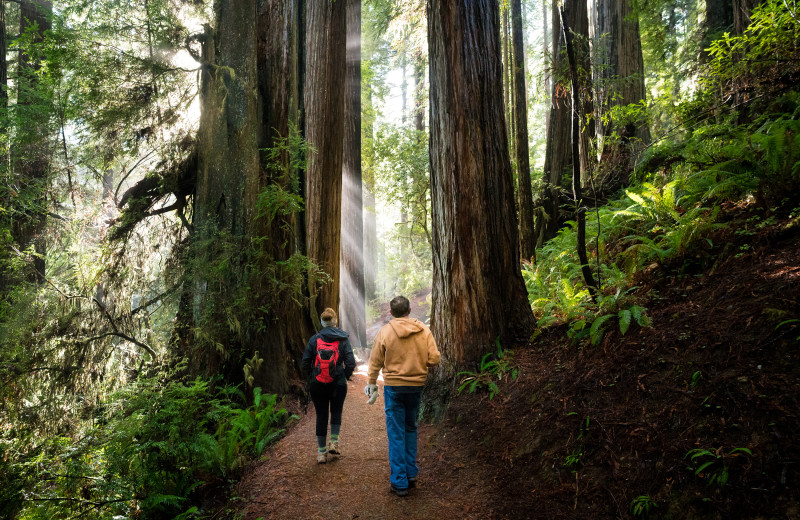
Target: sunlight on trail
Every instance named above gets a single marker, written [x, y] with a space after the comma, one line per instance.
[361, 369]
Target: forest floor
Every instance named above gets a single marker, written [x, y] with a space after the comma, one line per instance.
[594, 431]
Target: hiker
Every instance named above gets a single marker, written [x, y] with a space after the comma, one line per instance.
[329, 362]
[404, 349]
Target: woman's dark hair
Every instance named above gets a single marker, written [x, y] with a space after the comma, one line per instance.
[400, 306]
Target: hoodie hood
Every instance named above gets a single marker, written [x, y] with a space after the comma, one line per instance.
[333, 334]
[405, 327]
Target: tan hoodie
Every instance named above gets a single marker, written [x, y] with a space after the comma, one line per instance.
[404, 348]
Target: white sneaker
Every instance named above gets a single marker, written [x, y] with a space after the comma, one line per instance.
[333, 448]
[322, 458]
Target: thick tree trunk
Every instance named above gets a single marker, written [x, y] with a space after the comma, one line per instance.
[524, 190]
[558, 157]
[280, 72]
[324, 131]
[32, 153]
[353, 307]
[228, 179]
[718, 19]
[577, 111]
[622, 71]
[580, 27]
[478, 292]
[249, 97]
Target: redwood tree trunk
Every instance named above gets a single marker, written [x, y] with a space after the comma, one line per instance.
[525, 195]
[558, 155]
[718, 19]
[324, 130]
[623, 67]
[249, 96]
[228, 178]
[353, 308]
[32, 144]
[478, 291]
[577, 111]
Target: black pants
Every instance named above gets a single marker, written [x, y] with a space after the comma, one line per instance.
[328, 397]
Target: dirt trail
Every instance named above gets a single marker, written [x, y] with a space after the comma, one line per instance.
[290, 484]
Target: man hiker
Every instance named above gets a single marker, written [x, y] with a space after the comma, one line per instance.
[404, 349]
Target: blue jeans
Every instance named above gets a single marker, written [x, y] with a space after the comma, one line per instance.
[402, 407]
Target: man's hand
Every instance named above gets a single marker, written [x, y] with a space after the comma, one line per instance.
[371, 391]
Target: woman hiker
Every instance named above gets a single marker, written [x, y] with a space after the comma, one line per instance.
[329, 363]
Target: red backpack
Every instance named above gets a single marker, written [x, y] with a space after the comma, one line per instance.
[325, 363]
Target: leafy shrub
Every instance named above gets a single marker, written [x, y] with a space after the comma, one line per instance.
[155, 445]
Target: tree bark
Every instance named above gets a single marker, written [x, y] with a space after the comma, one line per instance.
[622, 72]
[558, 157]
[353, 307]
[524, 190]
[577, 111]
[249, 99]
[324, 131]
[228, 177]
[32, 153]
[478, 291]
[547, 56]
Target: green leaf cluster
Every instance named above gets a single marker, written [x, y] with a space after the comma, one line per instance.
[713, 464]
[152, 450]
[490, 372]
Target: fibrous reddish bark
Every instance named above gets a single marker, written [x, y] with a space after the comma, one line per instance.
[524, 190]
[353, 308]
[324, 130]
[478, 291]
[249, 97]
[620, 53]
[558, 155]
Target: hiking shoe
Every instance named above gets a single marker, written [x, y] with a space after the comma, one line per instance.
[333, 448]
[412, 482]
[398, 491]
[322, 457]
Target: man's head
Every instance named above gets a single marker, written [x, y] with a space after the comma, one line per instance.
[328, 317]
[400, 306]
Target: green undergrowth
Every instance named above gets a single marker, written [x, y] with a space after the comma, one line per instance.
[154, 448]
[669, 219]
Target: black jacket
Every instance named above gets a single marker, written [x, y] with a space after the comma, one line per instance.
[347, 362]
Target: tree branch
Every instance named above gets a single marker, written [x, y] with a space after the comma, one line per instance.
[130, 339]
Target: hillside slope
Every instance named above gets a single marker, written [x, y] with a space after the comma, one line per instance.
[590, 431]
